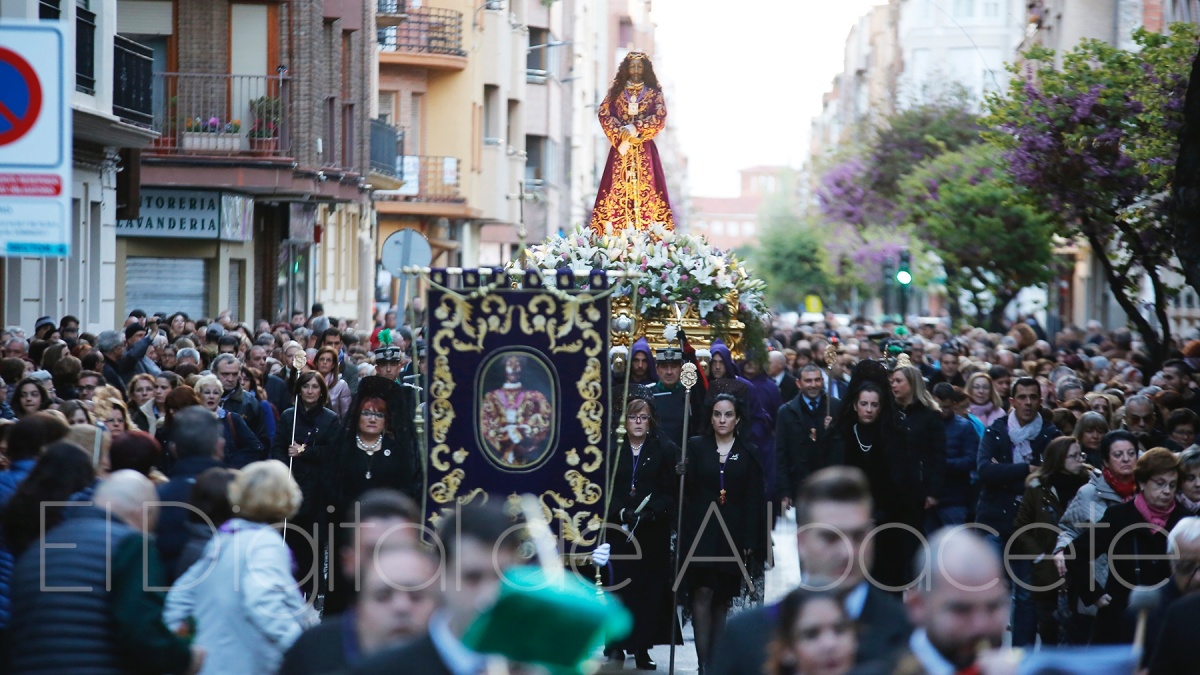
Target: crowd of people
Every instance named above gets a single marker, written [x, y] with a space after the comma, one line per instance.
[1072, 457]
[273, 473]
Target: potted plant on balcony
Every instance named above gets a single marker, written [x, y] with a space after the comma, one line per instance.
[212, 135]
[264, 132]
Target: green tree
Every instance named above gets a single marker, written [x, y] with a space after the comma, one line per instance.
[1095, 140]
[992, 241]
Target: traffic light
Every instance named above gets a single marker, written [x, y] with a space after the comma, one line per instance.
[903, 273]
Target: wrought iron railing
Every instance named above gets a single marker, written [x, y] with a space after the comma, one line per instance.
[133, 81]
[427, 30]
[387, 143]
[391, 6]
[427, 178]
[85, 51]
[217, 114]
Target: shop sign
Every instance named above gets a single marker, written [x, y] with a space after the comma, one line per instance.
[191, 214]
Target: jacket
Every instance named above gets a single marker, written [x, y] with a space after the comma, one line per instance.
[797, 453]
[9, 480]
[172, 517]
[1042, 507]
[118, 372]
[242, 445]
[111, 627]
[318, 431]
[962, 450]
[246, 404]
[927, 445]
[245, 627]
[1002, 483]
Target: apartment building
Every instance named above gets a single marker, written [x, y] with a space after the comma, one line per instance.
[254, 197]
[111, 117]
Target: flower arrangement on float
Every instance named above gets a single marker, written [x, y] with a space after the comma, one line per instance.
[674, 267]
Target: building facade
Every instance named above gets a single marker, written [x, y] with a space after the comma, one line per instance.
[731, 223]
[254, 197]
[110, 107]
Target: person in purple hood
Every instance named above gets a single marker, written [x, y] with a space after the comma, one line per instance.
[762, 422]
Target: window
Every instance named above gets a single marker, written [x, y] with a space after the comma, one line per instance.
[701, 225]
[491, 113]
[536, 159]
[718, 227]
[387, 106]
[991, 8]
[749, 229]
[536, 59]
[963, 9]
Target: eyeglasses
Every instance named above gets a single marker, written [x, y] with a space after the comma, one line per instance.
[638, 418]
[1075, 455]
[371, 414]
[1147, 418]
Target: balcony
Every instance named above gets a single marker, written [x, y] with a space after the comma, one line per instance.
[432, 186]
[387, 145]
[85, 51]
[429, 37]
[133, 73]
[390, 12]
[220, 115]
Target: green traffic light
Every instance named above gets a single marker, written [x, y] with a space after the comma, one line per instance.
[904, 277]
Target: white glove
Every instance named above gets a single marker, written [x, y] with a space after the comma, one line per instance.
[600, 555]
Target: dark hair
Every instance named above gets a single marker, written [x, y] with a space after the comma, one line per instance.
[65, 374]
[328, 333]
[135, 450]
[1178, 364]
[840, 484]
[636, 405]
[63, 470]
[790, 611]
[622, 77]
[377, 504]
[332, 353]
[12, 369]
[69, 318]
[210, 496]
[187, 370]
[90, 373]
[173, 378]
[68, 408]
[485, 523]
[1054, 458]
[53, 354]
[1182, 416]
[739, 410]
[1025, 382]
[195, 432]
[33, 432]
[304, 378]
[180, 397]
[1155, 462]
[43, 394]
[1112, 437]
[92, 361]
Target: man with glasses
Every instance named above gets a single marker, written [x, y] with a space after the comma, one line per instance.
[1171, 628]
[89, 380]
[1141, 420]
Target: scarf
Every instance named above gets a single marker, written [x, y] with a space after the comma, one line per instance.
[1124, 489]
[1187, 504]
[1021, 436]
[981, 411]
[1153, 515]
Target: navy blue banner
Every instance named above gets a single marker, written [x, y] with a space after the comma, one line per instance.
[517, 383]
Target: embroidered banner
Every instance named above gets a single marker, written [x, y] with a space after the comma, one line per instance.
[518, 395]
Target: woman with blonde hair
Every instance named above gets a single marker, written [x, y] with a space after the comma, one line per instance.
[985, 402]
[1089, 431]
[140, 392]
[240, 594]
[241, 444]
[1102, 404]
[113, 414]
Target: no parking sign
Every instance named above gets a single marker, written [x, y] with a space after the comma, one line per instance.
[35, 140]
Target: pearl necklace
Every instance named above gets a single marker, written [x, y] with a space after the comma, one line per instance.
[369, 449]
[865, 448]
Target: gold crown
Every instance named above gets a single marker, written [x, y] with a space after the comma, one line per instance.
[636, 56]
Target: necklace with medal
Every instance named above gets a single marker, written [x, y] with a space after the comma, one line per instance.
[371, 449]
[637, 454]
[723, 457]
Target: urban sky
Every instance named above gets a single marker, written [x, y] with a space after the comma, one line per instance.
[745, 79]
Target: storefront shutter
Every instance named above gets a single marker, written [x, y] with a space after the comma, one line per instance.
[167, 285]
[235, 290]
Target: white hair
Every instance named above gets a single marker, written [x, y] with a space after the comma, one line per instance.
[1186, 531]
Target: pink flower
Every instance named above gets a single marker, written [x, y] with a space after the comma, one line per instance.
[683, 277]
[696, 291]
[642, 290]
[664, 276]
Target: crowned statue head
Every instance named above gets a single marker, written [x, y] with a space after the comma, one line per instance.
[635, 71]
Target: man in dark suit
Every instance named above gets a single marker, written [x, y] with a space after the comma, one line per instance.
[478, 547]
[961, 605]
[833, 513]
[397, 599]
[777, 370]
[806, 439]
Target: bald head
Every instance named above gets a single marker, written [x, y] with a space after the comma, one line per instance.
[124, 494]
[959, 557]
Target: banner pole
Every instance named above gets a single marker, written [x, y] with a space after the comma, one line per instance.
[689, 378]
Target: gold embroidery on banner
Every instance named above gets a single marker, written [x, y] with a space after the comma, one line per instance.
[569, 527]
[470, 496]
[595, 452]
[459, 456]
[438, 450]
[444, 490]
[586, 492]
[572, 457]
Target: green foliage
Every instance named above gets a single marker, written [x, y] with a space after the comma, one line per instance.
[1095, 139]
[919, 133]
[991, 240]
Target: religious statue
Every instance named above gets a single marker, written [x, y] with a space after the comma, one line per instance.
[515, 419]
[633, 190]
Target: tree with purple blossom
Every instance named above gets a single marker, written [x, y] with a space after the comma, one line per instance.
[1095, 141]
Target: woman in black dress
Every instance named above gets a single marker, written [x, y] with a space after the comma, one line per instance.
[374, 449]
[315, 429]
[876, 442]
[644, 494]
[723, 475]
